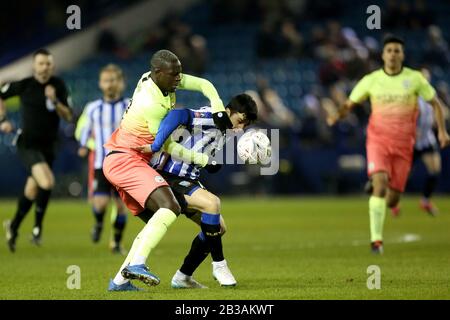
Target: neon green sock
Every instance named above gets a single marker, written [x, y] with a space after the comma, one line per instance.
[114, 211]
[152, 234]
[377, 212]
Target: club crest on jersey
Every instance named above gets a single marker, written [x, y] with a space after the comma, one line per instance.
[159, 179]
[185, 183]
[406, 84]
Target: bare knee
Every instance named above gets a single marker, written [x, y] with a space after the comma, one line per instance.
[173, 206]
[380, 185]
[213, 205]
[393, 199]
[47, 183]
[100, 203]
[31, 189]
[163, 198]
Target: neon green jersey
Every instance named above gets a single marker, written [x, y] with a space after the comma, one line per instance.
[147, 109]
[394, 103]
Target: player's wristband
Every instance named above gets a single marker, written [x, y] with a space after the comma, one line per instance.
[222, 121]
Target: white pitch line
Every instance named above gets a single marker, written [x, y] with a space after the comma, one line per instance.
[405, 238]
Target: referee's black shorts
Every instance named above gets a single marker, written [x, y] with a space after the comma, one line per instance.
[31, 155]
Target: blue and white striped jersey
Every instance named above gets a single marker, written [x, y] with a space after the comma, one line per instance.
[102, 119]
[203, 134]
[425, 136]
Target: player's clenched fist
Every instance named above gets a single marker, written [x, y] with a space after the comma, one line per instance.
[50, 92]
[143, 149]
[6, 127]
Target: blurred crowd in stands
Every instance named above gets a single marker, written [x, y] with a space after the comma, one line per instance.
[342, 55]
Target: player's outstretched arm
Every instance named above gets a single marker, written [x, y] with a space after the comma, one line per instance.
[156, 126]
[444, 139]
[221, 119]
[170, 123]
[334, 116]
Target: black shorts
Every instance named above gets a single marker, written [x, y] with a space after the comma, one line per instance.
[419, 153]
[30, 155]
[181, 187]
[101, 185]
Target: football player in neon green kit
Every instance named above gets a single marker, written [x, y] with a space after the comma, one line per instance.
[393, 92]
[127, 168]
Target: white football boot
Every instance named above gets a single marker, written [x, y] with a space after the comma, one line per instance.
[222, 274]
[182, 281]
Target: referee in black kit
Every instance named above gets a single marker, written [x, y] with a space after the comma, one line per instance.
[43, 101]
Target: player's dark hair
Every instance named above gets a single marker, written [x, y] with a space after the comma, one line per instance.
[390, 38]
[43, 51]
[245, 104]
[162, 58]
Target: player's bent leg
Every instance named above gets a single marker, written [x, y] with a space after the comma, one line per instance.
[23, 207]
[167, 211]
[393, 198]
[432, 163]
[377, 210]
[45, 180]
[209, 204]
[31, 189]
[99, 205]
[119, 224]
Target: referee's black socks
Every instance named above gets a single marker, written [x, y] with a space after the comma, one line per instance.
[23, 206]
[42, 198]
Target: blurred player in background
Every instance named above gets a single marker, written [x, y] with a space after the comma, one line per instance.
[99, 119]
[44, 100]
[427, 150]
[197, 203]
[393, 92]
[139, 185]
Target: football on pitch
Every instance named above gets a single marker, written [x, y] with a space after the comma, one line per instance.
[254, 147]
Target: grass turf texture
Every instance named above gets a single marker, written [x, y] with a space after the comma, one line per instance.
[286, 248]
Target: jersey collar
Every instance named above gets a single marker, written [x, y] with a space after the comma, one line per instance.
[392, 75]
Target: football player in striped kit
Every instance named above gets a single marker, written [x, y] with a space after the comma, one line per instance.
[197, 203]
[427, 150]
[99, 120]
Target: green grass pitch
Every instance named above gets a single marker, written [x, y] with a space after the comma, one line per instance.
[277, 248]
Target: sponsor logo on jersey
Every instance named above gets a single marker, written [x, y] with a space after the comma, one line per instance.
[159, 179]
